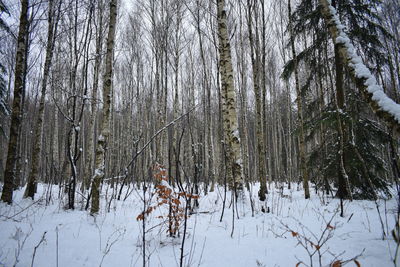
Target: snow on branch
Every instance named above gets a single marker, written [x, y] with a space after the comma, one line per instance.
[381, 104]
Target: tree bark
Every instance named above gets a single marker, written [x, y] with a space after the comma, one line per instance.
[299, 100]
[255, 62]
[230, 120]
[344, 190]
[105, 126]
[17, 108]
[92, 118]
[37, 139]
[362, 82]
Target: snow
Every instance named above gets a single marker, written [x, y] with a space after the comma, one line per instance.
[361, 71]
[166, 184]
[99, 172]
[114, 238]
[236, 134]
[101, 138]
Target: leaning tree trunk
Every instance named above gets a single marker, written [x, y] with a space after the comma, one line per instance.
[16, 114]
[384, 107]
[37, 138]
[230, 121]
[105, 125]
[299, 100]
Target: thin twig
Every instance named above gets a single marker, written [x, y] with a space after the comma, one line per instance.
[37, 246]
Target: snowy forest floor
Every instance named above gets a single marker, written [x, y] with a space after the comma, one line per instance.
[35, 234]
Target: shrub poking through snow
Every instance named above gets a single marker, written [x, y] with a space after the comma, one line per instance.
[317, 245]
[166, 195]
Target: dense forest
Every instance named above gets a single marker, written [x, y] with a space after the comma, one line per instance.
[169, 102]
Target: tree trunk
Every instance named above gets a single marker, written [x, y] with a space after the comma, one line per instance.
[362, 77]
[299, 100]
[17, 108]
[230, 121]
[92, 119]
[344, 190]
[255, 62]
[37, 138]
[105, 126]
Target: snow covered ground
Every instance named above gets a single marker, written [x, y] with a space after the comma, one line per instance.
[58, 237]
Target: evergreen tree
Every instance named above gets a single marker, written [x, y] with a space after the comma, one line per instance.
[360, 133]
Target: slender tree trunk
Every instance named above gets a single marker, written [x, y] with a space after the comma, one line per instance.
[207, 101]
[230, 120]
[242, 81]
[299, 100]
[173, 153]
[344, 190]
[255, 62]
[322, 135]
[92, 119]
[105, 126]
[17, 108]
[37, 138]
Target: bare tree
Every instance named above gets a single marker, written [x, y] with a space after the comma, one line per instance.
[299, 100]
[53, 18]
[16, 113]
[106, 110]
[255, 62]
[230, 119]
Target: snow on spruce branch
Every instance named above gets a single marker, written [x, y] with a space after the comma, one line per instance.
[383, 105]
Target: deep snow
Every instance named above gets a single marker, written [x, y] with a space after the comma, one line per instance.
[114, 238]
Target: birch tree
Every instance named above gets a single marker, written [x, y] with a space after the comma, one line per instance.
[96, 75]
[106, 111]
[384, 107]
[230, 120]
